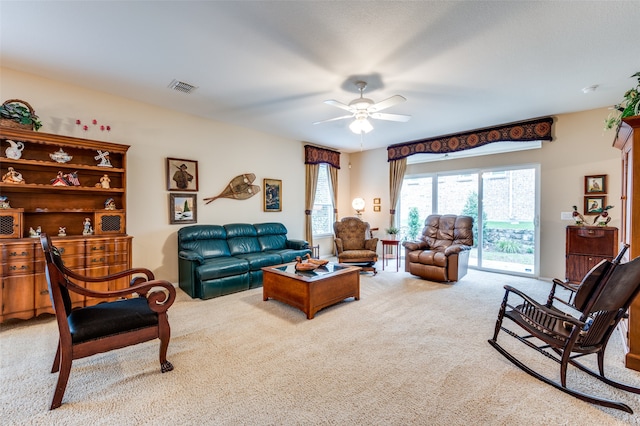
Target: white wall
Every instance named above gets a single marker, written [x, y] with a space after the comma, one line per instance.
[222, 151]
[580, 147]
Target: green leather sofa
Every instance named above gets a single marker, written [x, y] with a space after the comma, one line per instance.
[214, 260]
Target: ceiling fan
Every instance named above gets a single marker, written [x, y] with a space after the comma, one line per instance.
[361, 109]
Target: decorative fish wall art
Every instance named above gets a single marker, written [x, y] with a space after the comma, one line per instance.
[240, 188]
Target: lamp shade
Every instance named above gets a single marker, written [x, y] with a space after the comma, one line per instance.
[357, 204]
[360, 125]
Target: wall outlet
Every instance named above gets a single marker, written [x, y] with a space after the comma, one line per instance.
[566, 215]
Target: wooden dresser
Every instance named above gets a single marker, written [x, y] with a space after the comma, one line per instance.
[628, 141]
[37, 203]
[586, 246]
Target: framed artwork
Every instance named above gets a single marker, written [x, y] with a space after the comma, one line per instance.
[272, 198]
[596, 184]
[183, 208]
[593, 205]
[376, 208]
[182, 175]
[376, 201]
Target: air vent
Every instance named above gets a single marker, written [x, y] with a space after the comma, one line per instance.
[181, 86]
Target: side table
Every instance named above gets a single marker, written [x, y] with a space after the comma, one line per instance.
[386, 256]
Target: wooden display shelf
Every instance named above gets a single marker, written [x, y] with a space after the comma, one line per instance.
[55, 165]
[38, 187]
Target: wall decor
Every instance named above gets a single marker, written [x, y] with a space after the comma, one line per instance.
[594, 205]
[182, 175]
[376, 201]
[596, 184]
[376, 208]
[272, 195]
[240, 188]
[183, 208]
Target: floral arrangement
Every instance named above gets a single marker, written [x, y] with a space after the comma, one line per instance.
[629, 106]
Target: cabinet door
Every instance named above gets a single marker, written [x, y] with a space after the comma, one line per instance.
[17, 296]
[98, 271]
[579, 266]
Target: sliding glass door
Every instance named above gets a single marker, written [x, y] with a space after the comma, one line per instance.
[503, 203]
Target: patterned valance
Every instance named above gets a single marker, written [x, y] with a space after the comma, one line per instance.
[315, 155]
[524, 131]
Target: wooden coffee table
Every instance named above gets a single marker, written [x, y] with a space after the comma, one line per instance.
[311, 291]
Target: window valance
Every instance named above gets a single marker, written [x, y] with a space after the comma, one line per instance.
[315, 155]
[523, 131]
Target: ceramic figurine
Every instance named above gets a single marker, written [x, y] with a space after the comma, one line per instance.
[12, 176]
[104, 181]
[87, 229]
[603, 218]
[15, 150]
[110, 204]
[4, 202]
[577, 216]
[72, 178]
[62, 231]
[59, 180]
[103, 157]
[32, 232]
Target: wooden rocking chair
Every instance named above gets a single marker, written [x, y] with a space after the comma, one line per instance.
[601, 301]
[109, 325]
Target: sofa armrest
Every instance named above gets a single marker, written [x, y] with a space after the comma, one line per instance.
[371, 244]
[297, 244]
[191, 256]
[455, 249]
[415, 245]
[339, 246]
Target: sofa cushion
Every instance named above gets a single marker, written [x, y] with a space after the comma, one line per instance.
[209, 241]
[289, 255]
[242, 238]
[260, 260]
[221, 267]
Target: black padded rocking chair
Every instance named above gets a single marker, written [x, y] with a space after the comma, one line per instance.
[109, 325]
[600, 301]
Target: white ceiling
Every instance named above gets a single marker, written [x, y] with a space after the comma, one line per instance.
[269, 65]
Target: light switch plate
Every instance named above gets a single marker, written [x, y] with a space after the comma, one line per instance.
[566, 216]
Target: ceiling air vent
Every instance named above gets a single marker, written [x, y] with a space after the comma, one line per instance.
[181, 86]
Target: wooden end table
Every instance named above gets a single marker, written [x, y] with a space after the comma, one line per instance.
[385, 256]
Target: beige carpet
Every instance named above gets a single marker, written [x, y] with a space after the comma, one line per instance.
[408, 352]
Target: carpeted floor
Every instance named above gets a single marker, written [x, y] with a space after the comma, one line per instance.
[408, 352]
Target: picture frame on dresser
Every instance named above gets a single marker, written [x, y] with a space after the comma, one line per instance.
[594, 205]
[595, 184]
[182, 175]
[183, 209]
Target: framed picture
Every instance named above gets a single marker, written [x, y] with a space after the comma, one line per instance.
[183, 208]
[376, 208]
[272, 195]
[593, 205]
[182, 175]
[595, 184]
[376, 201]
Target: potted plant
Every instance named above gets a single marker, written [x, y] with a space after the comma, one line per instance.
[629, 106]
[393, 232]
[17, 113]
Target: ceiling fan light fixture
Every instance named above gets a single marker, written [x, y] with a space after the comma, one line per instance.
[360, 125]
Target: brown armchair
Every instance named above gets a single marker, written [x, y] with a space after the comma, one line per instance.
[108, 325]
[355, 244]
[442, 252]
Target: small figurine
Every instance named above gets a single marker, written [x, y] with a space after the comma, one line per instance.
[59, 180]
[603, 218]
[72, 178]
[15, 150]
[110, 204]
[4, 202]
[62, 231]
[103, 156]
[60, 156]
[577, 216]
[88, 230]
[104, 181]
[32, 232]
[12, 176]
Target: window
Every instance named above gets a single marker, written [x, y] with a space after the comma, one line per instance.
[322, 215]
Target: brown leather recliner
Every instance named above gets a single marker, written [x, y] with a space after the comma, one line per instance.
[355, 244]
[442, 252]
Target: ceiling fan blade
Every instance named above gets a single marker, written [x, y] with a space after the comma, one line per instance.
[391, 117]
[335, 103]
[334, 119]
[389, 102]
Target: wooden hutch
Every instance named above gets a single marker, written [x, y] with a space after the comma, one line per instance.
[628, 141]
[39, 204]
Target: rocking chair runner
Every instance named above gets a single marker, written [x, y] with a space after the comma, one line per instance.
[109, 325]
[601, 300]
